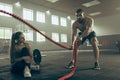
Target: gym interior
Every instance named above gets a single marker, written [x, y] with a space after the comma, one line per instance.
[54, 19]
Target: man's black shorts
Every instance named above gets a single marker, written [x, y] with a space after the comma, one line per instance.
[89, 37]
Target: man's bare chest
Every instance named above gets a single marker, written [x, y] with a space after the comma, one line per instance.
[81, 27]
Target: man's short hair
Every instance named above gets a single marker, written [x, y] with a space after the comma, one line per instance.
[79, 10]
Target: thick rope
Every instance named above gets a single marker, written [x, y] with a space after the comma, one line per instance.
[13, 15]
[75, 63]
[66, 47]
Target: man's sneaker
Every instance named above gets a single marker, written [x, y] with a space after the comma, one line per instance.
[27, 72]
[70, 65]
[96, 66]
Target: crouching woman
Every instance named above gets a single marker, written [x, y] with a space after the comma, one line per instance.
[20, 55]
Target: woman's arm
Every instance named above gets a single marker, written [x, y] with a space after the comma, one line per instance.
[29, 48]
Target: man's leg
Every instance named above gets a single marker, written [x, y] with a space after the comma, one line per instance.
[94, 43]
[71, 63]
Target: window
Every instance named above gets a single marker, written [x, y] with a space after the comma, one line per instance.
[55, 37]
[55, 20]
[63, 37]
[2, 33]
[40, 38]
[5, 7]
[28, 14]
[5, 33]
[63, 21]
[28, 35]
[40, 17]
[8, 33]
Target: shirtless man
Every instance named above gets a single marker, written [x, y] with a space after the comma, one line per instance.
[84, 23]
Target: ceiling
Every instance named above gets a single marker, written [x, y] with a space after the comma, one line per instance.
[105, 8]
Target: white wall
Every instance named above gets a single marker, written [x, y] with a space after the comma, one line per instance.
[107, 25]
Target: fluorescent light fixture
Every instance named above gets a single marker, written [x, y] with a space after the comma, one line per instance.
[91, 3]
[118, 8]
[48, 12]
[95, 13]
[68, 17]
[52, 1]
[18, 4]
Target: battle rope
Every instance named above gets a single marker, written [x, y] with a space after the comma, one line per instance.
[66, 47]
[75, 62]
[13, 15]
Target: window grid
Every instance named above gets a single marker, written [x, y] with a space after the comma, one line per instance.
[63, 21]
[55, 20]
[40, 17]
[40, 38]
[28, 14]
[5, 33]
[55, 37]
[29, 35]
[6, 7]
[63, 37]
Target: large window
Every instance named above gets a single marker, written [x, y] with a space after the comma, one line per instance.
[40, 17]
[55, 20]
[63, 37]
[63, 21]
[27, 14]
[55, 37]
[29, 35]
[5, 33]
[40, 38]
[5, 7]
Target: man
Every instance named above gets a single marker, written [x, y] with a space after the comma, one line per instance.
[84, 23]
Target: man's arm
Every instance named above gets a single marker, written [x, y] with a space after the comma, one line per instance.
[74, 33]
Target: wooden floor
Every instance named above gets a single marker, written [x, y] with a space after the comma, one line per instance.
[53, 67]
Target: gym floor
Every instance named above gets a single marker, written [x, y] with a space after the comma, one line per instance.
[53, 66]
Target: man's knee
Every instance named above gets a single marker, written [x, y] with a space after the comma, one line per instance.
[79, 43]
[94, 40]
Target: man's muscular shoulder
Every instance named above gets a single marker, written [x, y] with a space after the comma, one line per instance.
[89, 19]
[75, 24]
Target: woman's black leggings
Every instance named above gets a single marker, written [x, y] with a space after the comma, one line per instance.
[18, 67]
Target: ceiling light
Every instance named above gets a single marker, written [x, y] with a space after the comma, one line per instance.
[91, 3]
[95, 13]
[118, 8]
[52, 1]
[48, 12]
[68, 17]
[18, 4]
